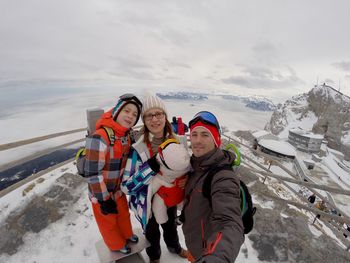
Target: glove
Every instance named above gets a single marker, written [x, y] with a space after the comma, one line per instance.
[108, 207]
[152, 162]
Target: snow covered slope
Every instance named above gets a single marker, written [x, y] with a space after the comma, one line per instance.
[323, 110]
[50, 220]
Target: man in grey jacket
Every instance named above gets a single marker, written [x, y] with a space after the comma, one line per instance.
[213, 231]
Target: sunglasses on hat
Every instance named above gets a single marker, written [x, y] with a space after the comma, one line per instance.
[207, 118]
[131, 97]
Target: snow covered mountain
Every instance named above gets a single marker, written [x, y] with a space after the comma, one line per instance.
[183, 96]
[323, 110]
[253, 102]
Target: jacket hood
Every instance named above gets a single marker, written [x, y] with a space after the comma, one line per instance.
[107, 120]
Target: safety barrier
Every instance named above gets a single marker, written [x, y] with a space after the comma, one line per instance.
[246, 161]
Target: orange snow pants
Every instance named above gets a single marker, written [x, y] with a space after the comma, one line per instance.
[114, 228]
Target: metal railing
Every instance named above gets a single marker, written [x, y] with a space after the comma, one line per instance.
[246, 161]
[11, 145]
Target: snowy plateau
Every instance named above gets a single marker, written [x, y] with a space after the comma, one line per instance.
[49, 218]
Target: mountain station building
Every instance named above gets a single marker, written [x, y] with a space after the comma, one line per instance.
[276, 148]
[304, 140]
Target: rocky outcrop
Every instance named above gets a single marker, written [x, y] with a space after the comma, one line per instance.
[333, 111]
[292, 110]
[323, 110]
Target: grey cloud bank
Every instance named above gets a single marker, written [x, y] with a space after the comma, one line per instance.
[266, 78]
[271, 48]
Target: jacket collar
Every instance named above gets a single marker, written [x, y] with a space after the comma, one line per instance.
[215, 157]
[107, 120]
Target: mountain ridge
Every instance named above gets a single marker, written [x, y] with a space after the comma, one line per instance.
[323, 110]
[253, 102]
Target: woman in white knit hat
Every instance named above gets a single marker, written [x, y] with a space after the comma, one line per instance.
[140, 169]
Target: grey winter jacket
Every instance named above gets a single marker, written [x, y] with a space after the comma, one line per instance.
[213, 233]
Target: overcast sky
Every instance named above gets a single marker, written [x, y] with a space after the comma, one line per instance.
[275, 48]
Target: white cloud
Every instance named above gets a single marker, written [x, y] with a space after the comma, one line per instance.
[343, 65]
[167, 44]
[260, 77]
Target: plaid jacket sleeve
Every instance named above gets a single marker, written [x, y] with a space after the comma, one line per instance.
[136, 174]
[96, 152]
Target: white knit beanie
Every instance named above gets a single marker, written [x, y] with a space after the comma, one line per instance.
[152, 101]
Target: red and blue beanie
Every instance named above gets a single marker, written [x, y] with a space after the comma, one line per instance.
[210, 128]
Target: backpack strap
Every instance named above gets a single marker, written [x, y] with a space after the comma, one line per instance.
[243, 190]
[246, 199]
[113, 138]
[111, 135]
[247, 208]
[206, 188]
[205, 192]
[232, 147]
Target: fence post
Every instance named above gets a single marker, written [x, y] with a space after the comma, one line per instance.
[264, 179]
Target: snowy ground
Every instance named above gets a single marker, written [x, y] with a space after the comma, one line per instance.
[74, 236]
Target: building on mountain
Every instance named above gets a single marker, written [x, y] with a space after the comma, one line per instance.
[304, 140]
[316, 158]
[310, 164]
[262, 134]
[277, 148]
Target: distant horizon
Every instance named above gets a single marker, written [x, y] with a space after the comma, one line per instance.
[20, 91]
[15, 94]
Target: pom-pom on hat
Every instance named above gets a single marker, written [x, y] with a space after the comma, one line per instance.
[152, 101]
[123, 101]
